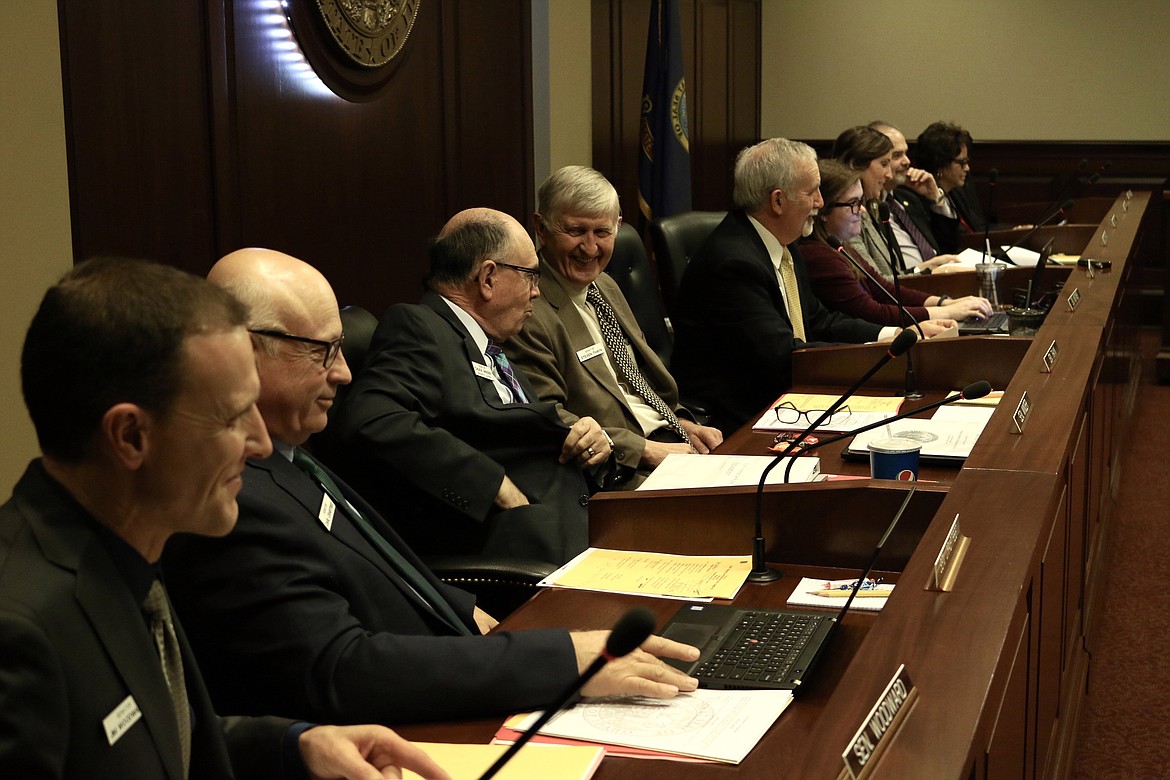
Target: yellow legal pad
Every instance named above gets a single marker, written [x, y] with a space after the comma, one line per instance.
[532, 762]
[653, 574]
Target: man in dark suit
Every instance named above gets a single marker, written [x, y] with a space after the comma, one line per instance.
[442, 428]
[142, 387]
[925, 225]
[315, 607]
[745, 303]
[583, 349]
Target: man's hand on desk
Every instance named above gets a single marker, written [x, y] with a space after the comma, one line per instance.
[703, 438]
[935, 327]
[640, 673]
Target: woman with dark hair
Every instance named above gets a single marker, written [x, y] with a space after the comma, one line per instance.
[945, 149]
[840, 285]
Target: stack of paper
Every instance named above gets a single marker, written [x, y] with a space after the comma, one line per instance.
[691, 577]
[811, 592]
[714, 725]
[531, 762]
[685, 470]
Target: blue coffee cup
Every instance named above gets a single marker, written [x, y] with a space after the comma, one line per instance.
[894, 458]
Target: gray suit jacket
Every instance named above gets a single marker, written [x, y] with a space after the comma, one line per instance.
[548, 347]
[74, 647]
[427, 441]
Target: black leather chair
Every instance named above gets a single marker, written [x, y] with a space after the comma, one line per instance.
[676, 239]
[630, 268]
[500, 585]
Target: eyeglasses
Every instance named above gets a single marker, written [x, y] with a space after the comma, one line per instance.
[962, 162]
[330, 349]
[788, 414]
[853, 205]
[533, 273]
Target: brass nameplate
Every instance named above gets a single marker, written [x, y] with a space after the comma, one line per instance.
[1074, 298]
[1020, 417]
[1128, 194]
[876, 733]
[1050, 356]
[1125, 205]
[1104, 238]
[949, 559]
[1113, 219]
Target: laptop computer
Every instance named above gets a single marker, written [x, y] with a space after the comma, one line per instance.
[742, 647]
[998, 321]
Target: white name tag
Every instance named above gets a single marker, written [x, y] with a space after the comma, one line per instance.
[590, 352]
[482, 371]
[120, 719]
[326, 512]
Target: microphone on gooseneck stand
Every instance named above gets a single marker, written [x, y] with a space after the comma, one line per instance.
[1002, 254]
[632, 630]
[760, 572]
[992, 177]
[837, 246]
[883, 210]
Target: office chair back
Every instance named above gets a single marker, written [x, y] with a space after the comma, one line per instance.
[676, 239]
[359, 326]
[630, 268]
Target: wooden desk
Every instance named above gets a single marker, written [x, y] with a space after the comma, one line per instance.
[1000, 662]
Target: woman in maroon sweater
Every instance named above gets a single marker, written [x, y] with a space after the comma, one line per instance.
[842, 287]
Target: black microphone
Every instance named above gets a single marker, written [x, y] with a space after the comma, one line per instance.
[840, 249]
[992, 176]
[632, 630]
[895, 251]
[968, 393]
[760, 572]
[1002, 254]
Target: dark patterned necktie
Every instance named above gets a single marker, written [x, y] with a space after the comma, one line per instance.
[619, 348]
[507, 373]
[903, 218]
[162, 628]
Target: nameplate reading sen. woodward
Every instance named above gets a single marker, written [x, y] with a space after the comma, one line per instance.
[875, 733]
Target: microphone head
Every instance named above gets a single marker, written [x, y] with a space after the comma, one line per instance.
[903, 341]
[1068, 204]
[992, 175]
[1084, 163]
[835, 243]
[1095, 177]
[884, 212]
[975, 390]
[630, 631]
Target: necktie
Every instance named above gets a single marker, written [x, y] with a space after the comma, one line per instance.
[792, 294]
[410, 573]
[903, 217]
[619, 348]
[162, 628]
[507, 373]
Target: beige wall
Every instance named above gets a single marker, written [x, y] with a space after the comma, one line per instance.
[34, 201]
[562, 112]
[1007, 70]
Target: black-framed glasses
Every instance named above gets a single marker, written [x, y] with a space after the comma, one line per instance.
[788, 414]
[854, 205]
[330, 349]
[533, 273]
[962, 162]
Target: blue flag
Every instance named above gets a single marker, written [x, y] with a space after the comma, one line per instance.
[664, 160]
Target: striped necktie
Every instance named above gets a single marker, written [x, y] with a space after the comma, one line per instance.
[903, 217]
[162, 628]
[507, 373]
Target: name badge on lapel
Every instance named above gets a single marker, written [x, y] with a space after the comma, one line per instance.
[326, 512]
[482, 371]
[590, 352]
[120, 719]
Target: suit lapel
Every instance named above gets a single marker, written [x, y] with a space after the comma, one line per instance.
[760, 252]
[301, 488]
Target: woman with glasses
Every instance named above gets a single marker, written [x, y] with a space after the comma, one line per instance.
[945, 149]
[840, 285]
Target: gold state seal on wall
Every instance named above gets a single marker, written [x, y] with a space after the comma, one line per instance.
[370, 32]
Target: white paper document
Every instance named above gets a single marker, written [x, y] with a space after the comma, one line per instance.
[811, 592]
[683, 470]
[1025, 258]
[939, 438]
[716, 725]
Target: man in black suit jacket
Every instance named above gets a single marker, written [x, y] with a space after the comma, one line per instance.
[457, 443]
[315, 607]
[919, 200]
[734, 335]
[141, 383]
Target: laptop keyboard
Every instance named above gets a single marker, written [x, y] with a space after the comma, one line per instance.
[996, 322]
[764, 647]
